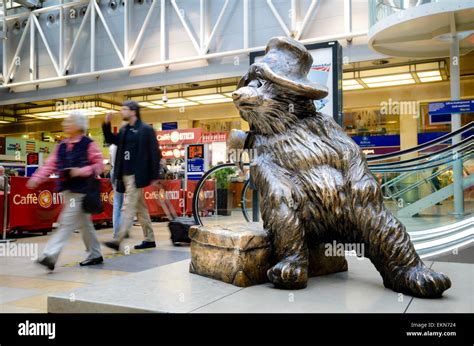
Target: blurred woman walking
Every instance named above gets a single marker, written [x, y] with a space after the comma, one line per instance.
[77, 159]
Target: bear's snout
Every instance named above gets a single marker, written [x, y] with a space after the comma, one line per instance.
[236, 95]
[246, 97]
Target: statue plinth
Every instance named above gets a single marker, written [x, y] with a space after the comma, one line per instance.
[241, 254]
[238, 253]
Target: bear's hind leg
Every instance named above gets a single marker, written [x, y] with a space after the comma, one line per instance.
[289, 248]
[388, 246]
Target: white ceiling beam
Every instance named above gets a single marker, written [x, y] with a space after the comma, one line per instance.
[109, 33]
[186, 26]
[46, 44]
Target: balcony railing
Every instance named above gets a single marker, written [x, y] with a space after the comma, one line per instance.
[380, 9]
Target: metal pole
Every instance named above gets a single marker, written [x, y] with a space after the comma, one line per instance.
[92, 35]
[246, 24]
[32, 48]
[126, 29]
[61, 39]
[455, 125]
[255, 206]
[163, 52]
[5, 61]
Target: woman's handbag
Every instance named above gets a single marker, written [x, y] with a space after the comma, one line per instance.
[92, 204]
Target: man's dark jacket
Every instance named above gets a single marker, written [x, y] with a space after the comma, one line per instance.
[148, 154]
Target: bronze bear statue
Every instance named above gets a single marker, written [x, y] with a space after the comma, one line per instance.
[313, 181]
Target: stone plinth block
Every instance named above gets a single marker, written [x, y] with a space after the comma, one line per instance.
[241, 254]
[237, 253]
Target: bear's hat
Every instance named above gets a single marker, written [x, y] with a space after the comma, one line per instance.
[287, 63]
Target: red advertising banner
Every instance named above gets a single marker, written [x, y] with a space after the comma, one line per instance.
[33, 209]
[107, 197]
[175, 137]
[38, 209]
[207, 196]
[170, 190]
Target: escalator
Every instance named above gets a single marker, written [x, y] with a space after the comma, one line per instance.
[417, 186]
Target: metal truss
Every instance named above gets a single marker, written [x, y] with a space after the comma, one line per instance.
[129, 54]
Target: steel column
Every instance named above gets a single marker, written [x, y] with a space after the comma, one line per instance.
[455, 125]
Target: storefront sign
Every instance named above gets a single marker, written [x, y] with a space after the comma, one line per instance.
[195, 161]
[209, 137]
[169, 126]
[451, 107]
[176, 137]
[15, 147]
[377, 141]
[30, 146]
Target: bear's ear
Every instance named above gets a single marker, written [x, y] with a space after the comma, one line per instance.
[244, 81]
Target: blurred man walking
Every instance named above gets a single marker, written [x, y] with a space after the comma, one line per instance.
[137, 165]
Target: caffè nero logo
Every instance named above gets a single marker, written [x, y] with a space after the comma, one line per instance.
[107, 197]
[162, 194]
[44, 198]
[175, 136]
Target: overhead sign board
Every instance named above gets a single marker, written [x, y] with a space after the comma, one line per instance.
[451, 107]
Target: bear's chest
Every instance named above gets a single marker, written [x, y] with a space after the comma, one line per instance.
[296, 152]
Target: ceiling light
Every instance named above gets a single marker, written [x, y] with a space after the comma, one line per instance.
[391, 83]
[58, 116]
[387, 78]
[145, 104]
[31, 116]
[222, 100]
[155, 107]
[4, 122]
[349, 82]
[352, 87]
[182, 104]
[172, 101]
[428, 73]
[431, 79]
[98, 109]
[48, 114]
[90, 112]
[206, 97]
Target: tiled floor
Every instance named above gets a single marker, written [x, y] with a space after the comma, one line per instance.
[24, 286]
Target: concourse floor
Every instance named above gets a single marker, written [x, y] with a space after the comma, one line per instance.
[157, 280]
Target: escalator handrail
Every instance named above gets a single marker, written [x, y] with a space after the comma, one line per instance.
[457, 155]
[441, 139]
[423, 168]
[464, 141]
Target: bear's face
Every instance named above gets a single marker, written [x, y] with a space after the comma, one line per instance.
[267, 107]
